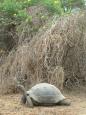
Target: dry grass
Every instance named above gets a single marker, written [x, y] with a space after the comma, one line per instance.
[52, 56]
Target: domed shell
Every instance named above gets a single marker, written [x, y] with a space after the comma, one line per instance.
[45, 93]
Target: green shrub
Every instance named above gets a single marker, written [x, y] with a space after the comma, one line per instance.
[14, 9]
[54, 6]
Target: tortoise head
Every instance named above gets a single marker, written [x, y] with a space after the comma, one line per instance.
[21, 88]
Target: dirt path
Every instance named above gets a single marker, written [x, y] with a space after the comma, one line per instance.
[10, 105]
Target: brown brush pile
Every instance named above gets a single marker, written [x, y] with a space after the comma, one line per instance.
[57, 56]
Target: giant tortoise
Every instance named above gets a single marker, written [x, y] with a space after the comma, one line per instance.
[43, 94]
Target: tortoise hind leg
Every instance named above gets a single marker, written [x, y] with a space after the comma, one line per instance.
[29, 101]
[64, 103]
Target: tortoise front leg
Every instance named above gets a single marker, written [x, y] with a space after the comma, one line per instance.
[29, 102]
[23, 99]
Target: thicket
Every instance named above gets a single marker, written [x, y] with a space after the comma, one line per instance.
[56, 56]
[51, 53]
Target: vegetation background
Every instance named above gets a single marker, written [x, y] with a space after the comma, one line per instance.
[43, 41]
[22, 20]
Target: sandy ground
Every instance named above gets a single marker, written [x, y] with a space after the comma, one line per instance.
[10, 105]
